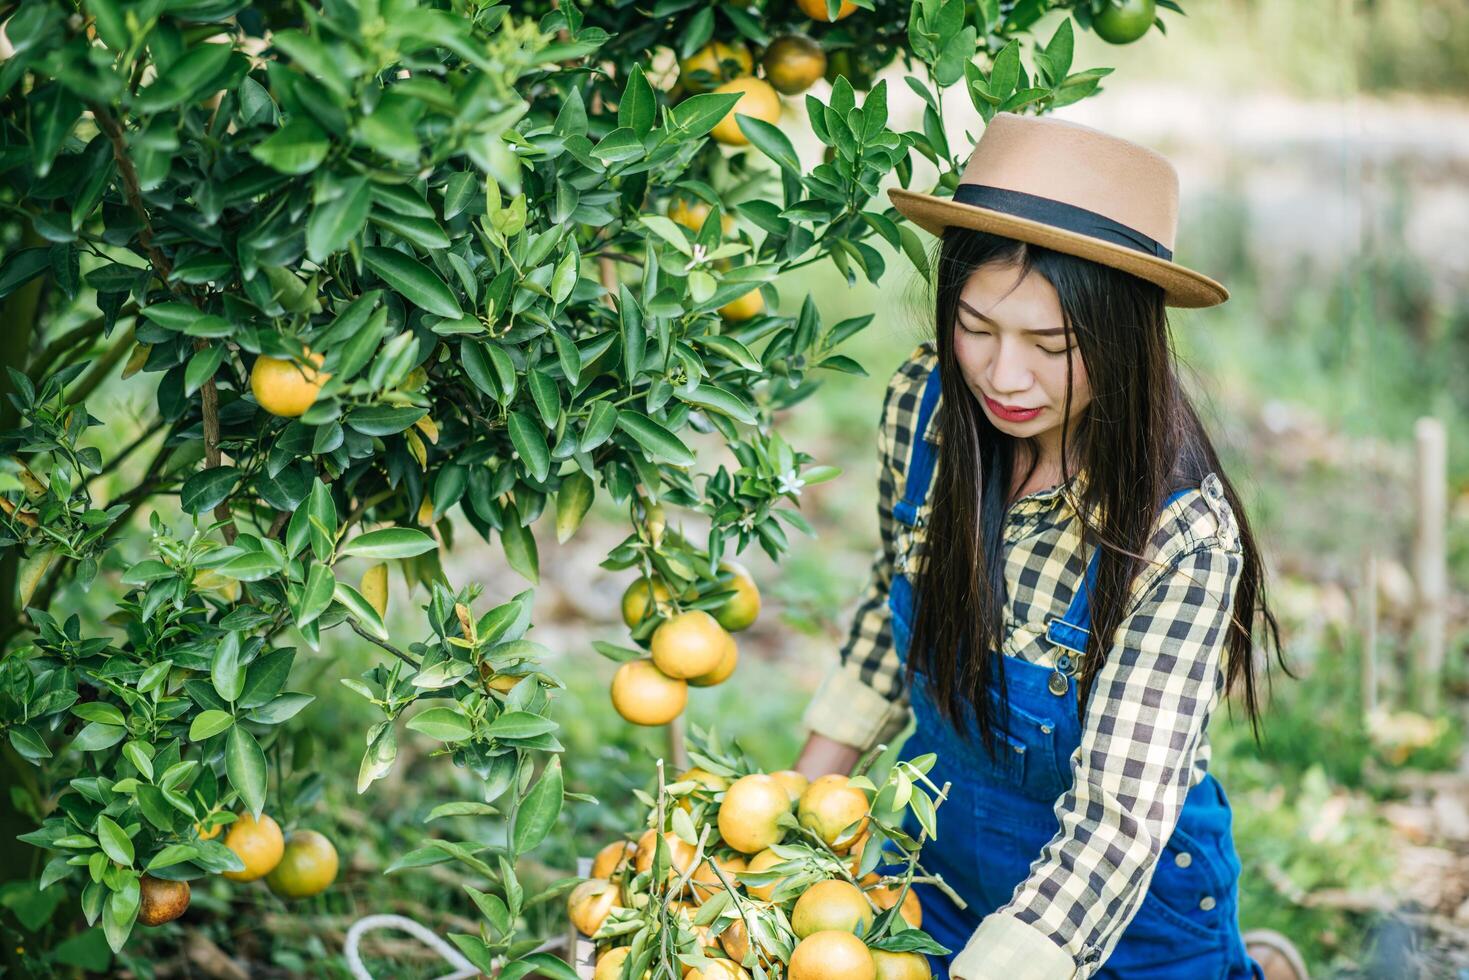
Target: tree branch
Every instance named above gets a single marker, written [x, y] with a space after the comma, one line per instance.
[381, 643]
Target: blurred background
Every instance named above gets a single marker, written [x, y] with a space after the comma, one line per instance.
[1323, 147]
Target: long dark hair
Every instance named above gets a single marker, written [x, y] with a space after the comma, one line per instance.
[1138, 440]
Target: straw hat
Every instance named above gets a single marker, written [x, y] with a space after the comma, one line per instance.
[1074, 189]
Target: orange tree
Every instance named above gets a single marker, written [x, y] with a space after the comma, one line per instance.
[393, 272]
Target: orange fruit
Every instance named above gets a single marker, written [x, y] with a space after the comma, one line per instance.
[900, 966]
[758, 100]
[831, 955]
[886, 897]
[613, 858]
[795, 784]
[763, 861]
[710, 783]
[590, 903]
[307, 868]
[709, 882]
[833, 904]
[727, 664]
[741, 609]
[258, 843]
[609, 964]
[210, 833]
[286, 388]
[688, 644]
[748, 814]
[793, 63]
[854, 853]
[680, 853]
[640, 600]
[644, 695]
[719, 970]
[161, 901]
[829, 806]
[722, 61]
[816, 9]
[744, 307]
[736, 943]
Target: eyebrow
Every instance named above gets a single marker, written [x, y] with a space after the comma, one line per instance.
[1052, 332]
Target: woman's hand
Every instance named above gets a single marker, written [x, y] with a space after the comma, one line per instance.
[822, 756]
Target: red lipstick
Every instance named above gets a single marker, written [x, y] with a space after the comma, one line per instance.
[1010, 413]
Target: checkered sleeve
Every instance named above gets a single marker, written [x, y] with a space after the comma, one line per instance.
[862, 699]
[1151, 705]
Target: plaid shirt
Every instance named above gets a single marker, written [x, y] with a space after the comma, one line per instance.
[1143, 740]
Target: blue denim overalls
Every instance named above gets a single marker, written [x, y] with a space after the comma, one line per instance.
[1000, 814]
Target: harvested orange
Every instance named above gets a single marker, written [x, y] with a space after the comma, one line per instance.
[736, 943]
[689, 644]
[831, 955]
[590, 903]
[707, 780]
[795, 784]
[741, 609]
[708, 880]
[749, 813]
[900, 966]
[680, 853]
[886, 897]
[829, 806]
[793, 63]
[161, 901]
[718, 970]
[286, 388]
[307, 868]
[763, 861]
[758, 100]
[644, 695]
[833, 904]
[258, 843]
[613, 858]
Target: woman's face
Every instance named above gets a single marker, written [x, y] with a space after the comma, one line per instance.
[1011, 347]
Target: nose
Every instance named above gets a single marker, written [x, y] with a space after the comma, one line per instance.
[1009, 373]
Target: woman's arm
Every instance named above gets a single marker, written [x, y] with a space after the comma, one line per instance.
[1152, 701]
[821, 756]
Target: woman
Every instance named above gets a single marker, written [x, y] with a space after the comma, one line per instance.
[1067, 580]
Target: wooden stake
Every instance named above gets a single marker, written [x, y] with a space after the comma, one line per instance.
[1430, 562]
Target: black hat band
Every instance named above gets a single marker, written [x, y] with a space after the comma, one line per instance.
[1060, 215]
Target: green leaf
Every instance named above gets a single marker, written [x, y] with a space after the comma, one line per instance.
[185, 79]
[225, 670]
[520, 546]
[296, 148]
[521, 724]
[207, 724]
[547, 397]
[390, 542]
[244, 763]
[637, 106]
[735, 351]
[335, 222]
[716, 398]
[114, 840]
[600, 423]
[770, 141]
[360, 609]
[661, 444]
[573, 500]
[202, 367]
[383, 420]
[443, 724]
[99, 711]
[696, 115]
[530, 443]
[207, 488]
[415, 281]
[171, 855]
[317, 594]
[538, 811]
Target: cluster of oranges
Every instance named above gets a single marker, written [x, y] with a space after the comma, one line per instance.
[692, 647]
[298, 865]
[740, 884]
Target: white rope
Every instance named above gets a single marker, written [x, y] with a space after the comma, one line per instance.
[463, 968]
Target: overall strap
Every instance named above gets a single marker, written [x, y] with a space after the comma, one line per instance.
[1071, 630]
[921, 462]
